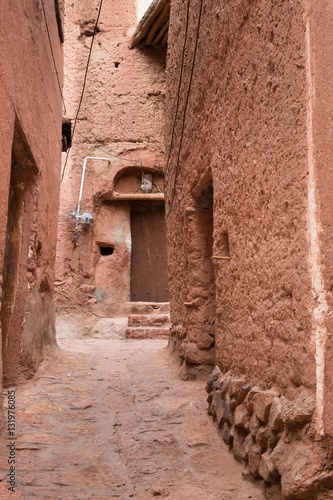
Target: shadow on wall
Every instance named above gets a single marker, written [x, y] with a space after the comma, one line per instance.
[24, 308]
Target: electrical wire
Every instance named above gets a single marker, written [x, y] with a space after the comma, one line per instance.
[179, 87]
[53, 58]
[184, 116]
[84, 85]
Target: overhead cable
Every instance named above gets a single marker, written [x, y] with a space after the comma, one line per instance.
[84, 85]
[53, 58]
[184, 115]
[179, 87]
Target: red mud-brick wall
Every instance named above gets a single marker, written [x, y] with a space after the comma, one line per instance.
[31, 124]
[246, 119]
[123, 113]
[320, 42]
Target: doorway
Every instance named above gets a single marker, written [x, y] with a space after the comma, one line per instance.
[149, 273]
[21, 198]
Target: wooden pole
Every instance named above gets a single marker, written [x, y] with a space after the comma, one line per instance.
[157, 23]
[161, 33]
[165, 39]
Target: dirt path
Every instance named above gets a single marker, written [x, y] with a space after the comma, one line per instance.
[112, 420]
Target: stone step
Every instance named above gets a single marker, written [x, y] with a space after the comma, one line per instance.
[150, 320]
[148, 332]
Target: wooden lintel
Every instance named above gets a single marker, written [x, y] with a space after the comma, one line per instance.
[135, 196]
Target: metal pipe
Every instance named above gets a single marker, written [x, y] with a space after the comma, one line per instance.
[77, 216]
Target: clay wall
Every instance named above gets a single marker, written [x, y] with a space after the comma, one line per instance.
[246, 121]
[122, 114]
[256, 140]
[30, 155]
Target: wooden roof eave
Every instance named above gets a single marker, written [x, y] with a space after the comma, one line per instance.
[153, 22]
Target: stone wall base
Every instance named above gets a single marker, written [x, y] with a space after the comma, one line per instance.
[194, 368]
[273, 436]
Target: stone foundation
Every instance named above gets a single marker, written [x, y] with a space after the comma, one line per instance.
[273, 436]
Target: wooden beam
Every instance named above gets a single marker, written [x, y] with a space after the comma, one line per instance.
[161, 33]
[134, 196]
[143, 30]
[157, 23]
[165, 39]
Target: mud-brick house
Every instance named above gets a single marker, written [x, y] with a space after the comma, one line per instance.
[30, 154]
[114, 267]
[249, 196]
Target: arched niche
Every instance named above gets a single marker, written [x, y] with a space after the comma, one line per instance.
[128, 181]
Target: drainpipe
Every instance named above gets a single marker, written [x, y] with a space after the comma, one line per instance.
[77, 215]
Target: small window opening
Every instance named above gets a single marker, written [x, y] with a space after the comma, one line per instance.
[106, 250]
[116, 64]
[66, 136]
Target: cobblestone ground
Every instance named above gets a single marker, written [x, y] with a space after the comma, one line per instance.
[110, 419]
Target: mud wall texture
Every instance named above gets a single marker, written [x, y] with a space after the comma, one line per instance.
[256, 140]
[121, 118]
[246, 120]
[30, 153]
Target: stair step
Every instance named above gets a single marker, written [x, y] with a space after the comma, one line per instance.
[147, 333]
[150, 320]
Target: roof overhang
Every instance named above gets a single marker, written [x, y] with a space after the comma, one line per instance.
[154, 26]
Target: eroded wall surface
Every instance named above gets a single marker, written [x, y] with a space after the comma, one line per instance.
[246, 120]
[122, 114]
[254, 135]
[30, 154]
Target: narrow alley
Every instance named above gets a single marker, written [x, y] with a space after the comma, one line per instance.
[166, 250]
[110, 419]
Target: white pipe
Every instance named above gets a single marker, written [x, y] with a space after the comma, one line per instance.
[82, 182]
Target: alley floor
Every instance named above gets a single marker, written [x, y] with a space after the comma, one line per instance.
[110, 419]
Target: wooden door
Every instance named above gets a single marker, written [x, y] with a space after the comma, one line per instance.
[149, 273]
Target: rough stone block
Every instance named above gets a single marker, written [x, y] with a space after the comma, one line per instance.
[298, 412]
[254, 459]
[228, 415]
[301, 470]
[266, 438]
[225, 386]
[241, 415]
[233, 404]
[275, 421]
[249, 398]
[134, 321]
[235, 386]
[254, 424]
[209, 401]
[227, 434]
[239, 445]
[267, 469]
[262, 402]
[197, 356]
[213, 377]
[243, 392]
[155, 320]
[248, 443]
[216, 403]
[220, 412]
